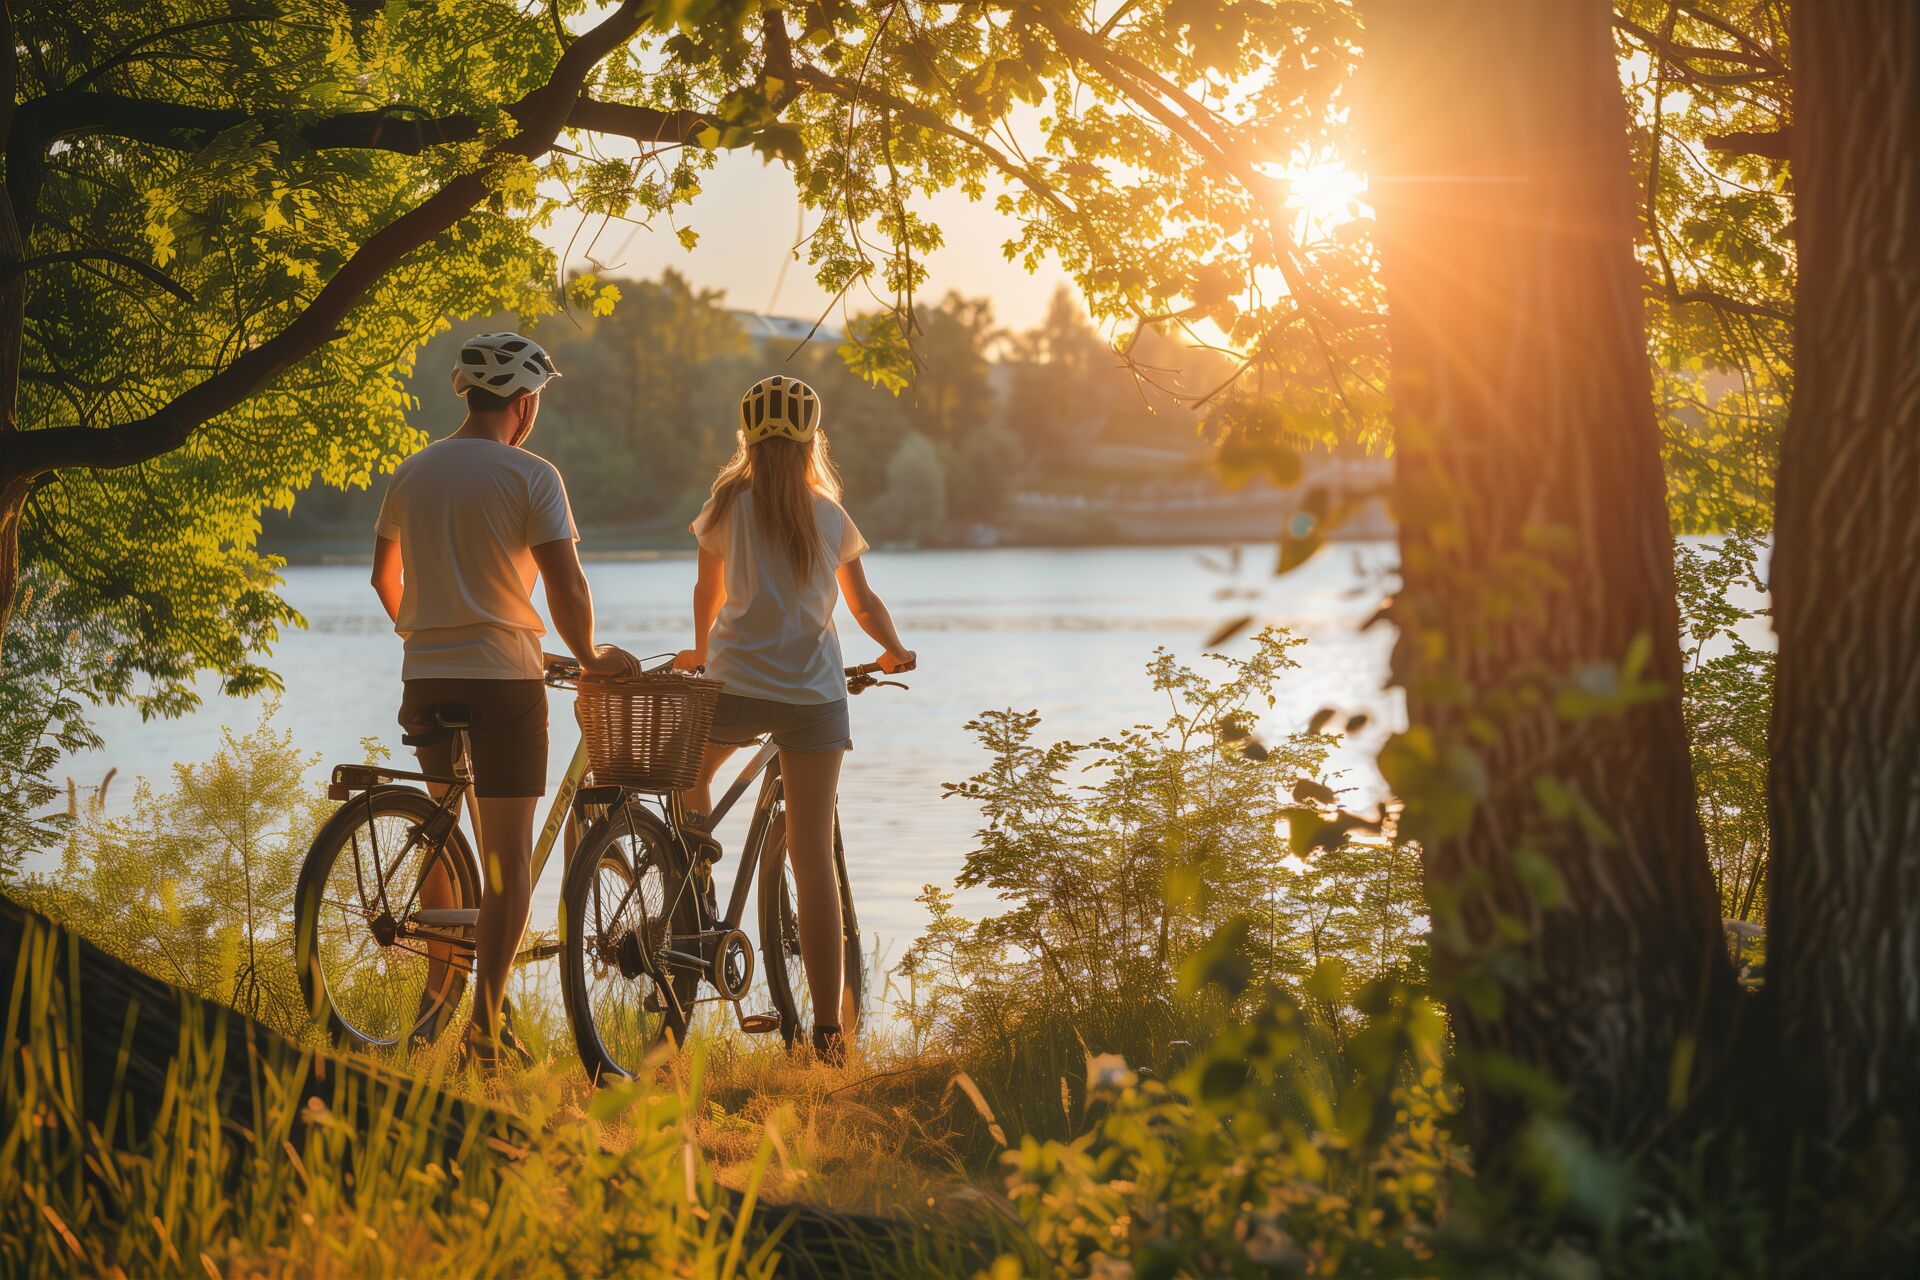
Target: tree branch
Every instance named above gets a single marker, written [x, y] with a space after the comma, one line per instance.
[1722, 302]
[546, 111]
[146, 271]
[67, 114]
[927, 118]
[1764, 66]
[154, 37]
[13, 292]
[1774, 144]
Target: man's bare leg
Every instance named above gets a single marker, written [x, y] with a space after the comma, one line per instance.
[444, 978]
[506, 861]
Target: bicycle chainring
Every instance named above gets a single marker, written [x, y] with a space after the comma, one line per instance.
[732, 969]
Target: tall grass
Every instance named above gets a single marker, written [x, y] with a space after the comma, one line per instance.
[374, 1185]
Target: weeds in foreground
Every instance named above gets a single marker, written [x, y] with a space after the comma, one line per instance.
[380, 1183]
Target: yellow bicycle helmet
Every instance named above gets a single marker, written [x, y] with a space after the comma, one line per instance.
[779, 406]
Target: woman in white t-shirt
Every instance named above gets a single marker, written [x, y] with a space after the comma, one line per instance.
[777, 552]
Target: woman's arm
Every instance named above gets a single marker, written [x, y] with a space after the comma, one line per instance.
[870, 611]
[709, 593]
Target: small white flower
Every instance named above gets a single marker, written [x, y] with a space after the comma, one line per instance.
[1269, 1246]
[1109, 1071]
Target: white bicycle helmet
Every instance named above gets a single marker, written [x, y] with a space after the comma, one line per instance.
[503, 363]
[779, 406]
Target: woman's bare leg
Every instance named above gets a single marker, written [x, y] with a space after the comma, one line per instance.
[698, 799]
[811, 780]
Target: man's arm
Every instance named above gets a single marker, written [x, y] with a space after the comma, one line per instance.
[709, 593]
[571, 604]
[387, 582]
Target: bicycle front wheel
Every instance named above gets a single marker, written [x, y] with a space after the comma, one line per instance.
[780, 937]
[368, 966]
[627, 901]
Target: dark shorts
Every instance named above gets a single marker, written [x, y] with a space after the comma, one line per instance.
[819, 726]
[508, 720]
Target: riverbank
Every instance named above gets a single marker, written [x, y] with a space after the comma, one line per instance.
[1056, 525]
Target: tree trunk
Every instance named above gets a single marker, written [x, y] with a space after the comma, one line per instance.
[1576, 922]
[1844, 905]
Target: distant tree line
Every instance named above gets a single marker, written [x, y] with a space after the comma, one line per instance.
[644, 413]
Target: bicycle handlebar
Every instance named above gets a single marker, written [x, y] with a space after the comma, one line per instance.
[560, 667]
[866, 676]
[869, 668]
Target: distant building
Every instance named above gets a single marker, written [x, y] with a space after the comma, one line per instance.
[791, 329]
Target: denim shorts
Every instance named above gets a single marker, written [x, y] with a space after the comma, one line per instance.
[817, 726]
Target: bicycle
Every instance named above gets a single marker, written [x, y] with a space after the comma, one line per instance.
[639, 929]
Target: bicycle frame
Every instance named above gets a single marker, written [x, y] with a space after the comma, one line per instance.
[562, 816]
[719, 941]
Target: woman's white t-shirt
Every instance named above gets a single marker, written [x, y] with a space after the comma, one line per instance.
[775, 638]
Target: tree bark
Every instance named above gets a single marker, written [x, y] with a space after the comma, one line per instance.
[1576, 930]
[1844, 904]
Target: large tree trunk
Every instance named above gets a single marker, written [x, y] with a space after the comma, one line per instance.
[1844, 904]
[1575, 918]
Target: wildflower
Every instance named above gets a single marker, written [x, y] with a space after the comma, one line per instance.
[1269, 1246]
[1109, 1071]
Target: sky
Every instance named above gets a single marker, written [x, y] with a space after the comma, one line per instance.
[747, 214]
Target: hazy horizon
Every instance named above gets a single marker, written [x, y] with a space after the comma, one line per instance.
[746, 216]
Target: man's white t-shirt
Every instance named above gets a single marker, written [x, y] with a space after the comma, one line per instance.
[467, 514]
[775, 638]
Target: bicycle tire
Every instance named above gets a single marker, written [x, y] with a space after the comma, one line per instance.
[364, 996]
[780, 938]
[608, 954]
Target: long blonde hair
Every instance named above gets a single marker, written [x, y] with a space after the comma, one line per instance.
[784, 477]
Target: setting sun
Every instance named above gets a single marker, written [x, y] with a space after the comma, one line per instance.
[1323, 196]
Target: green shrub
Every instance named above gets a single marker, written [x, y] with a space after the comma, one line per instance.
[195, 884]
[42, 717]
[1114, 881]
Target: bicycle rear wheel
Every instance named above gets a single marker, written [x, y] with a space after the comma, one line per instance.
[780, 937]
[626, 901]
[366, 966]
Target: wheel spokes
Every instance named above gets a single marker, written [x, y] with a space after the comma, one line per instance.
[382, 983]
[626, 930]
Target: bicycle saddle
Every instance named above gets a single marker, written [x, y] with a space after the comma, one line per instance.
[446, 717]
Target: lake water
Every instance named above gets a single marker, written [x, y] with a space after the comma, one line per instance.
[1066, 632]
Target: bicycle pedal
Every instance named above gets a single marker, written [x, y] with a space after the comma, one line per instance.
[759, 1024]
[539, 946]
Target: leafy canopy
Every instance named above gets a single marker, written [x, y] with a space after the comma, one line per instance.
[189, 173]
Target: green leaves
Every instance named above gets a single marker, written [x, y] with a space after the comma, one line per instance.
[249, 223]
[1441, 787]
[876, 351]
[1240, 458]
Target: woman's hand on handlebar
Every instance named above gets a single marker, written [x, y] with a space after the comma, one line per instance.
[894, 662]
[689, 660]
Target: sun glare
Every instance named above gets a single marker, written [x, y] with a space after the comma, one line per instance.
[1323, 196]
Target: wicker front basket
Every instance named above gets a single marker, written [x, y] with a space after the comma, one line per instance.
[646, 732]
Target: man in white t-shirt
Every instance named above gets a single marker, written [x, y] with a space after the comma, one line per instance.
[467, 525]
